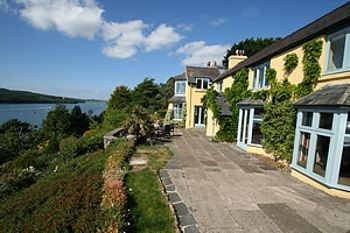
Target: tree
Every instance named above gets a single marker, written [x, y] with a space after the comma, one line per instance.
[147, 95]
[57, 123]
[79, 121]
[250, 47]
[120, 98]
[15, 137]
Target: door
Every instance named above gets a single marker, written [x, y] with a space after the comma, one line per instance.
[199, 116]
[244, 128]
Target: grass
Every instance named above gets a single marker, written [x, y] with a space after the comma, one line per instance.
[150, 212]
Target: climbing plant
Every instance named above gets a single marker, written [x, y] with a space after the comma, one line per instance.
[290, 62]
[226, 129]
[311, 69]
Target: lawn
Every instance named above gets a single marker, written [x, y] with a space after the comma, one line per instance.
[149, 208]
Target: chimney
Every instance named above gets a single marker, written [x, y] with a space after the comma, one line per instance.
[233, 60]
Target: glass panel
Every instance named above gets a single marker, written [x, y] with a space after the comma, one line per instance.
[199, 83]
[258, 113]
[255, 79]
[307, 119]
[303, 152]
[336, 52]
[347, 131]
[256, 134]
[326, 120]
[344, 173]
[242, 125]
[261, 77]
[246, 129]
[205, 83]
[321, 155]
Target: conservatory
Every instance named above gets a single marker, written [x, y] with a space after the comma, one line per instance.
[322, 137]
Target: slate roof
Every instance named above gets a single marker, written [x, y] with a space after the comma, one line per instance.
[180, 77]
[224, 106]
[331, 95]
[177, 99]
[194, 72]
[251, 102]
[332, 21]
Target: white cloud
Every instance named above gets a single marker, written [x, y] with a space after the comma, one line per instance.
[185, 27]
[125, 39]
[198, 53]
[4, 4]
[83, 18]
[75, 18]
[217, 22]
[161, 37]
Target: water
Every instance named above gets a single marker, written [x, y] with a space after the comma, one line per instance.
[35, 113]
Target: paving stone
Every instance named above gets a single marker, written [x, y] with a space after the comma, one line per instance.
[163, 173]
[170, 188]
[187, 220]
[174, 197]
[172, 166]
[287, 219]
[166, 181]
[181, 209]
[191, 229]
[208, 163]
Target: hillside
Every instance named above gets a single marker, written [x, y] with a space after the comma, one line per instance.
[12, 96]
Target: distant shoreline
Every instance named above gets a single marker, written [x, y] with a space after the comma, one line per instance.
[26, 97]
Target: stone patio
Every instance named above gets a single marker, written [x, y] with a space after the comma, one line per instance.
[217, 187]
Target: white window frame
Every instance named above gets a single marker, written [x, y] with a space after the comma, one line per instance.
[219, 86]
[336, 134]
[346, 59]
[176, 89]
[202, 86]
[178, 112]
[256, 76]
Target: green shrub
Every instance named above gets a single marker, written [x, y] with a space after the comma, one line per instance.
[72, 147]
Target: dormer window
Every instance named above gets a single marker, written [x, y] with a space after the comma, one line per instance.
[202, 83]
[259, 76]
[180, 87]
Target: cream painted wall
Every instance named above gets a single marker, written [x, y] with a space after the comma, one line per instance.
[193, 98]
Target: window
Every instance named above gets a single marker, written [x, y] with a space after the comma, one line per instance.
[180, 87]
[202, 83]
[307, 119]
[257, 135]
[321, 155]
[259, 76]
[337, 45]
[219, 86]
[304, 145]
[344, 172]
[178, 113]
[326, 120]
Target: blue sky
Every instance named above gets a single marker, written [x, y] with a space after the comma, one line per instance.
[85, 48]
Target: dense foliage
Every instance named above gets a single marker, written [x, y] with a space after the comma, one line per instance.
[311, 68]
[250, 47]
[10, 96]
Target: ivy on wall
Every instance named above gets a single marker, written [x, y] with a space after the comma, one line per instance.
[237, 92]
[311, 69]
[290, 62]
[278, 125]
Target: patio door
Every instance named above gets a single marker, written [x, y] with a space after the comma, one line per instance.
[199, 116]
[243, 135]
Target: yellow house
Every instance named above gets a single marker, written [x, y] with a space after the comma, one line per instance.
[322, 139]
[177, 102]
[198, 82]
